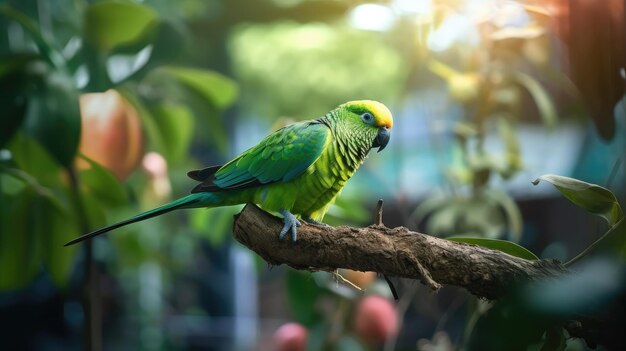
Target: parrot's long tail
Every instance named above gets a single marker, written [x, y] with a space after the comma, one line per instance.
[189, 201]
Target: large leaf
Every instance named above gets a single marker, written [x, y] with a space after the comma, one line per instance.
[13, 104]
[175, 124]
[33, 228]
[35, 161]
[216, 88]
[169, 42]
[150, 127]
[591, 197]
[508, 247]
[58, 227]
[10, 184]
[110, 24]
[101, 183]
[14, 78]
[20, 248]
[53, 117]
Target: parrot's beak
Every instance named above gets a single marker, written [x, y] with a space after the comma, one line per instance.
[382, 138]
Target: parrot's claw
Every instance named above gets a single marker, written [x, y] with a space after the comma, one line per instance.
[291, 223]
[310, 220]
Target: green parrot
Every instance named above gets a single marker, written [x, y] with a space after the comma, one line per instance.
[297, 170]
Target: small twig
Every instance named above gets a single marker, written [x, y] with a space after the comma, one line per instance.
[378, 219]
[595, 244]
[340, 278]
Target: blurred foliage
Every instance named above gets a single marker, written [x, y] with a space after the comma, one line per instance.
[534, 315]
[125, 55]
[42, 85]
[542, 313]
[499, 79]
[348, 65]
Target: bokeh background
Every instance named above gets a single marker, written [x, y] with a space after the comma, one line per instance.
[107, 104]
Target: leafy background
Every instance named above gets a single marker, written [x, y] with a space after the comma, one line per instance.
[107, 104]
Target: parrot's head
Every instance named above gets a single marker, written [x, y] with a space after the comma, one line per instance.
[373, 118]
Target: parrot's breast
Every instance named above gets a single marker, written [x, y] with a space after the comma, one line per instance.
[323, 181]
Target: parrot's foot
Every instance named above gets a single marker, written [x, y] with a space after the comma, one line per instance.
[314, 222]
[291, 223]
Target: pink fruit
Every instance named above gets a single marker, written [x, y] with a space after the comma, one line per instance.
[376, 319]
[291, 337]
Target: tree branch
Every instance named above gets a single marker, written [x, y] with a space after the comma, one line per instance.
[395, 252]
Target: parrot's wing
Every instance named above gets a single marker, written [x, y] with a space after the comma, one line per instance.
[281, 156]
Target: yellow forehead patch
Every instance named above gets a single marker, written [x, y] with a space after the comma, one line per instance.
[381, 113]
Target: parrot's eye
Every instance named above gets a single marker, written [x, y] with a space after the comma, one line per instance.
[367, 117]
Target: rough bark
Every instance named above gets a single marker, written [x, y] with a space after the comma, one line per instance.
[395, 252]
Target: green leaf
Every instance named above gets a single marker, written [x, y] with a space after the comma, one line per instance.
[110, 24]
[169, 43]
[302, 292]
[102, 184]
[58, 228]
[14, 78]
[14, 106]
[94, 211]
[175, 124]
[33, 228]
[20, 246]
[148, 122]
[53, 118]
[216, 88]
[34, 160]
[591, 197]
[542, 99]
[10, 184]
[508, 247]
